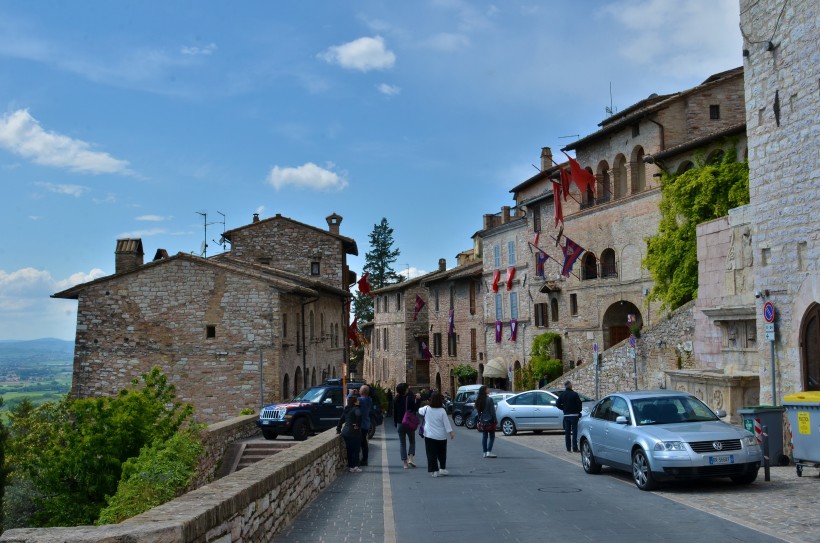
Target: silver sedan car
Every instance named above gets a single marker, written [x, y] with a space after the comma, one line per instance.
[664, 434]
[533, 410]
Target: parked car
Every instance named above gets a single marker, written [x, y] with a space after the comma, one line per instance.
[469, 407]
[665, 434]
[315, 409]
[464, 395]
[533, 410]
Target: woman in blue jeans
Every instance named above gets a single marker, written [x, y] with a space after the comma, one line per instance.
[485, 407]
[405, 401]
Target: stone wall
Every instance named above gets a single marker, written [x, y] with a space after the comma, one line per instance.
[252, 505]
[782, 123]
[216, 440]
[663, 347]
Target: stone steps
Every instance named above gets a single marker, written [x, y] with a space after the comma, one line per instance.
[254, 451]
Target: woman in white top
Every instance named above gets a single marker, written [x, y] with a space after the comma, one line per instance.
[436, 428]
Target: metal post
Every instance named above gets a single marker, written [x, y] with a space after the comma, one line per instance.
[261, 384]
[635, 366]
[766, 462]
[597, 374]
[774, 379]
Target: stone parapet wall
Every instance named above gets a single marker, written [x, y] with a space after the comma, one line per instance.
[665, 346]
[251, 505]
[216, 440]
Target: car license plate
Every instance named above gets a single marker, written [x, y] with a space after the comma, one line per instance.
[724, 459]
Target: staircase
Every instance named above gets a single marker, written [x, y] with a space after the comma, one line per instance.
[251, 452]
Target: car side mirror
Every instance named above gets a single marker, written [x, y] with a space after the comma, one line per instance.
[721, 413]
[620, 419]
[328, 400]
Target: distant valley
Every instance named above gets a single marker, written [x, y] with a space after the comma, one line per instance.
[38, 369]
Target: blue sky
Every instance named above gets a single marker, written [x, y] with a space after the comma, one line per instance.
[128, 119]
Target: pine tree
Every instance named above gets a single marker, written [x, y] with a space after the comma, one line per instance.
[378, 264]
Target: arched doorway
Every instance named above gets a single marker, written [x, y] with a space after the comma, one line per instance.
[438, 382]
[616, 325]
[810, 348]
[297, 381]
[285, 387]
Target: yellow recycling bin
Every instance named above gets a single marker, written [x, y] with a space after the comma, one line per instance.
[803, 409]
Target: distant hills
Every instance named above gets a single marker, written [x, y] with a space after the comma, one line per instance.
[36, 350]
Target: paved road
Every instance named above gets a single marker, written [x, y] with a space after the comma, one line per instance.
[525, 495]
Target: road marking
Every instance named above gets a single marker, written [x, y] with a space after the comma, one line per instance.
[387, 494]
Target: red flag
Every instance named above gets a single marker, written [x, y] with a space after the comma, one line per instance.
[419, 305]
[498, 331]
[353, 331]
[566, 180]
[513, 329]
[496, 278]
[425, 351]
[537, 236]
[510, 275]
[580, 176]
[556, 200]
[364, 285]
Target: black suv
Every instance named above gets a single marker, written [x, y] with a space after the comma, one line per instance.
[315, 409]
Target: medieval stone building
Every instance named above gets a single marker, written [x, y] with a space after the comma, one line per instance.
[249, 326]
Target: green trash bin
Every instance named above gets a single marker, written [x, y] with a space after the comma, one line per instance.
[803, 409]
[757, 416]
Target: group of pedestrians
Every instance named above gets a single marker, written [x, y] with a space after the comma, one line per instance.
[434, 426]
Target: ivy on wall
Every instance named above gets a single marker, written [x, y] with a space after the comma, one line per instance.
[703, 193]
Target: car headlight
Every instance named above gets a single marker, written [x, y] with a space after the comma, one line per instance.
[670, 446]
[750, 442]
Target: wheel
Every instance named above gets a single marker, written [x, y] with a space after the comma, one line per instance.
[269, 434]
[588, 459]
[508, 427]
[458, 419]
[470, 422]
[745, 479]
[301, 430]
[641, 471]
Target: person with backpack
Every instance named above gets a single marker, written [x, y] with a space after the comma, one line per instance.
[486, 421]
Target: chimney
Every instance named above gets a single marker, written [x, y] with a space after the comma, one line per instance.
[128, 255]
[256, 217]
[488, 221]
[505, 214]
[546, 158]
[333, 222]
[442, 264]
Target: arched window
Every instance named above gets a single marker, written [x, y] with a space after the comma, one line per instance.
[313, 377]
[554, 309]
[608, 264]
[715, 156]
[685, 166]
[286, 387]
[638, 171]
[321, 325]
[620, 177]
[604, 188]
[810, 348]
[297, 381]
[589, 266]
[590, 195]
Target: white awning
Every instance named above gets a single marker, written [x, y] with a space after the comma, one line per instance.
[496, 368]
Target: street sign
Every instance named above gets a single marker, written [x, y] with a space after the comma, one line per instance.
[768, 311]
[632, 340]
[768, 328]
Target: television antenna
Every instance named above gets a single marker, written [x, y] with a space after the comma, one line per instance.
[203, 248]
[222, 241]
[610, 110]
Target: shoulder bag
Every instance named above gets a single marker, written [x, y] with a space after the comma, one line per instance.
[410, 421]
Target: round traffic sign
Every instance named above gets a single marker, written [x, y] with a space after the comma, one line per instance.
[768, 311]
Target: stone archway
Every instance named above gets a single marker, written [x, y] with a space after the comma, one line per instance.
[297, 381]
[810, 348]
[615, 323]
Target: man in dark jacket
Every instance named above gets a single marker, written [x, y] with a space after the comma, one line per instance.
[570, 403]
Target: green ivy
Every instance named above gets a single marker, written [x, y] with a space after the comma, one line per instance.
[700, 194]
[465, 374]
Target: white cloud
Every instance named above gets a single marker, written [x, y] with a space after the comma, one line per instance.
[198, 51]
[260, 210]
[412, 272]
[389, 90]
[71, 190]
[21, 134]
[143, 233]
[155, 218]
[307, 176]
[363, 54]
[448, 42]
[110, 198]
[28, 312]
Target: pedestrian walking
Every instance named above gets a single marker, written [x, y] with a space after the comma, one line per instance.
[570, 403]
[486, 421]
[365, 405]
[405, 401]
[436, 429]
[349, 426]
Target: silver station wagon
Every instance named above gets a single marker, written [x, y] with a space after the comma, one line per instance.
[664, 434]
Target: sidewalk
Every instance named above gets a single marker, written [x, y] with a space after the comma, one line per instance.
[535, 487]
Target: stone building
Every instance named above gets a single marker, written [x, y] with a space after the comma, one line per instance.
[249, 326]
[604, 299]
[395, 352]
[781, 45]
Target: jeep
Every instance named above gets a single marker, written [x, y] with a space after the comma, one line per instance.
[315, 409]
